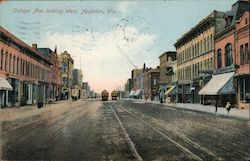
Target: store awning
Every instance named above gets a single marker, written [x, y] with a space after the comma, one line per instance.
[169, 90]
[228, 88]
[5, 85]
[137, 93]
[219, 84]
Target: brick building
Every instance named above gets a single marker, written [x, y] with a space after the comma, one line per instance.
[165, 68]
[151, 83]
[243, 60]
[232, 65]
[195, 57]
[27, 71]
[55, 71]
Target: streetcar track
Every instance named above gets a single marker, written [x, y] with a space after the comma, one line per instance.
[131, 144]
[162, 134]
[198, 146]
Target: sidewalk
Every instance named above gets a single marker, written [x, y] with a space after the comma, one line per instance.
[12, 113]
[238, 113]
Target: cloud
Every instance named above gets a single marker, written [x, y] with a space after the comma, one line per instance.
[107, 57]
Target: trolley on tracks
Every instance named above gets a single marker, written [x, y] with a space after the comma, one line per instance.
[114, 95]
[105, 95]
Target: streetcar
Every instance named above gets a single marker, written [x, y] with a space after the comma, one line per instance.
[105, 95]
[114, 95]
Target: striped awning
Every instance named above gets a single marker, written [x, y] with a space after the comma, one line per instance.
[169, 90]
[5, 85]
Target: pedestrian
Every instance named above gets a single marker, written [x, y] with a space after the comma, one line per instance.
[161, 96]
[228, 106]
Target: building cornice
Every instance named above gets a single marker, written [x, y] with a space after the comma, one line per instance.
[202, 26]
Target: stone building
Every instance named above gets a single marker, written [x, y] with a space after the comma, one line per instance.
[27, 72]
[195, 56]
[151, 83]
[67, 65]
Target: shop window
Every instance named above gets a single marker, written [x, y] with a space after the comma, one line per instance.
[228, 55]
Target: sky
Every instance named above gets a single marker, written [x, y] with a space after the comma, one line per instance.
[108, 38]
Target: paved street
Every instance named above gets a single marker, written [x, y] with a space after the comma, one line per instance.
[123, 130]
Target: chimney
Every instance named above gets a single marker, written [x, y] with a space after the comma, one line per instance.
[34, 46]
[56, 49]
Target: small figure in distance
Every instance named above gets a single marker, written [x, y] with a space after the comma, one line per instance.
[228, 106]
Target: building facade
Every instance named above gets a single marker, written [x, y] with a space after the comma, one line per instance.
[195, 57]
[66, 65]
[151, 83]
[55, 71]
[243, 60]
[77, 82]
[231, 62]
[27, 71]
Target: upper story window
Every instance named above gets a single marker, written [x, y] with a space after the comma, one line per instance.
[228, 55]
[1, 62]
[65, 67]
[247, 54]
[242, 55]
[6, 61]
[246, 21]
[219, 60]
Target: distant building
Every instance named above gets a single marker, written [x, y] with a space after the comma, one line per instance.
[166, 71]
[67, 65]
[151, 83]
[86, 90]
[134, 74]
[77, 81]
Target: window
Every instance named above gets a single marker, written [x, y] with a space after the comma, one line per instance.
[246, 54]
[14, 64]
[198, 49]
[154, 81]
[242, 55]
[2, 55]
[10, 63]
[211, 63]
[65, 67]
[6, 61]
[246, 21]
[17, 66]
[201, 47]
[228, 55]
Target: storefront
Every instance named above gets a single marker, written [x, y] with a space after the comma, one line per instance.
[222, 86]
[243, 91]
[5, 88]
